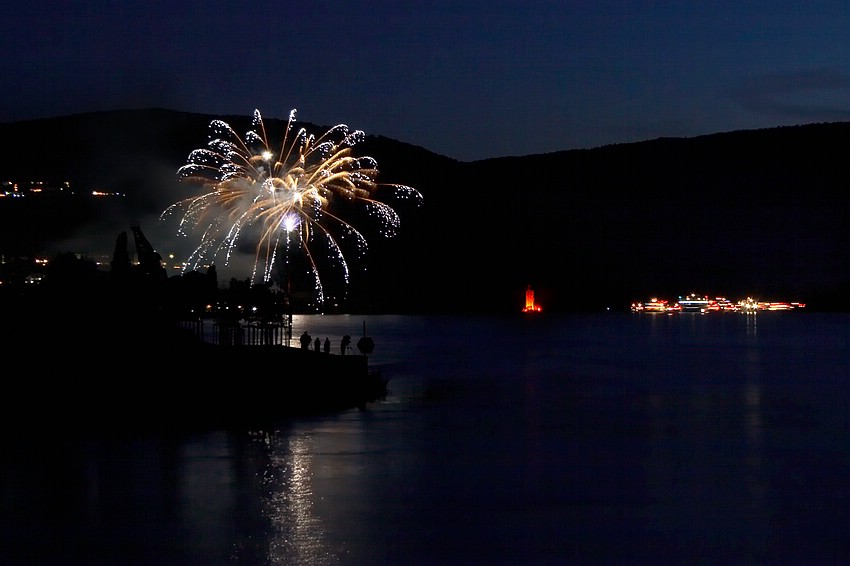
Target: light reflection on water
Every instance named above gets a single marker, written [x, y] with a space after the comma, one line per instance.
[503, 440]
[298, 533]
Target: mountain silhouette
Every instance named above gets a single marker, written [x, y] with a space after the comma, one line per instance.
[749, 213]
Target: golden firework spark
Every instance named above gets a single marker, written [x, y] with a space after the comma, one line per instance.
[279, 199]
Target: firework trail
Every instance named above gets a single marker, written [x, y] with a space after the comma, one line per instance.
[292, 198]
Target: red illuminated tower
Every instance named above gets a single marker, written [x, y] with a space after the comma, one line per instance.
[529, 301]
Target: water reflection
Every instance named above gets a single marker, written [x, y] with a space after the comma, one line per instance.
[705, 456]
[752, 324]
[298, 534]
[316, 487]
[757, 513]
[682, 439]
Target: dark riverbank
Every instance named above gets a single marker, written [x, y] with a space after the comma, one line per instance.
[98, 364]
[195, 387]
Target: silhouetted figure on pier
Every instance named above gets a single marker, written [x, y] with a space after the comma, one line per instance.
[346, 340]
[305, 341]
[327, 345]
[318, 345]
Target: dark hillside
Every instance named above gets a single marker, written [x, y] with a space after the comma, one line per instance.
[760, 212]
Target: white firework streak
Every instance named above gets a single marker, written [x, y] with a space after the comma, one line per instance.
[255, 191]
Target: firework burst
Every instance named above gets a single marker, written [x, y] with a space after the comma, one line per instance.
[280, 201]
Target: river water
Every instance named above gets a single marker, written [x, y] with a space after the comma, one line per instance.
[612, 438]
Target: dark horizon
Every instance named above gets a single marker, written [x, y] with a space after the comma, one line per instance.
[745, 213]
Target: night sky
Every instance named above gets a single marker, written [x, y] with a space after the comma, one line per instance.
[468, 80]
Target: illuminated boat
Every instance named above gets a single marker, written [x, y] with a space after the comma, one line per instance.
[721, 304]
[750, 305]
[694, 303]
[653, 305]
[779, 306]
[702, 304]
[783, 306]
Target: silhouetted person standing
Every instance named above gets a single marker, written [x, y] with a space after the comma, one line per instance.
[305, 341]
[318, 346]
[346, 340]
[327, 345]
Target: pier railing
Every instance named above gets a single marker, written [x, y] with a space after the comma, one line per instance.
[238, 333]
